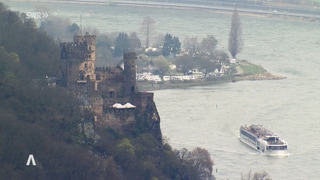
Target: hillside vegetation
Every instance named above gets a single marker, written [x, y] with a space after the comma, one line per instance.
[44, 121]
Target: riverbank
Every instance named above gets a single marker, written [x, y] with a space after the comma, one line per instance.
[149, 86]
[244, 71]
[248, 71]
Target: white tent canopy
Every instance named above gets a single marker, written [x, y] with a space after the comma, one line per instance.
[125, 106]
[129, 105]
[117, 105]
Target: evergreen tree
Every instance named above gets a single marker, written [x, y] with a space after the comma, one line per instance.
[122, 44]
[171, 45]
[235, 39]
[166, 49]
[176, 46]
[135, 42]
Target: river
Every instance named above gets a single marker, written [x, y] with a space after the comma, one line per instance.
[210, 116]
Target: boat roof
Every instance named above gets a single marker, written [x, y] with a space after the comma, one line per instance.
[259, 131]
[264, 134]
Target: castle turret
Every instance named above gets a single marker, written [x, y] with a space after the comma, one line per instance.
[89, 42]
[130, 73]
[78, 58]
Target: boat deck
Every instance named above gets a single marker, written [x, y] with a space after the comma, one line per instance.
[264, 134]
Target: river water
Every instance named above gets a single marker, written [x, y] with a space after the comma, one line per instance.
[210, 116]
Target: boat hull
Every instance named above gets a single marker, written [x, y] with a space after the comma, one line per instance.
[248, 143]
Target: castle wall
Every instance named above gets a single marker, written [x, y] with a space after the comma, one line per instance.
[118, 119]
[101, 87]
[142, 100]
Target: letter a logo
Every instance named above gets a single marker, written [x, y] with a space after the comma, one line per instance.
[31, 159]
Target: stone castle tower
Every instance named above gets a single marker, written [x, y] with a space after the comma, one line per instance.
[78, 60]
[80, 75]
[130, 73]
[101, 88]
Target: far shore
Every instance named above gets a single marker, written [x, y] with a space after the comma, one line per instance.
[186, 6]
[149, 86]
[245, 71]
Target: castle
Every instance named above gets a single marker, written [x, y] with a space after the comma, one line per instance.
[102, 89]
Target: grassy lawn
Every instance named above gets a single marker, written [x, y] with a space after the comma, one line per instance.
[249, 68]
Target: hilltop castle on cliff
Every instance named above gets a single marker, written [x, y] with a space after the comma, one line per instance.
[103, 89]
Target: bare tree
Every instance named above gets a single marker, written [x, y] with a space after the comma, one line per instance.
[143, 63]
[208, 45]
[191, 45]
[235, 39]
[184, 63]
[161, 64]
[200, 159]
[256, 176]
[147, 28]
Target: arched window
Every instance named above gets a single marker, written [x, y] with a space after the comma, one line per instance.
[111, 94]
[132, 89]
[81, 75]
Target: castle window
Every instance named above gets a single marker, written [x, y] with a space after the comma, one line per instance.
[89, 56]
[111, 94]
[132, 89]
[98, 77]
[85, 65]
[89, 47]
[81, 75]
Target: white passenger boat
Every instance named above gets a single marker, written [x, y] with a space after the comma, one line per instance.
[263, 140]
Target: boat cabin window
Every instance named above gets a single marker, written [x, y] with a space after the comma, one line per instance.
[273, 138]
[250, 136]
[276, 147]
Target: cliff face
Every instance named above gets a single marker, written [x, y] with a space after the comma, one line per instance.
[152, 120]
[141, 117]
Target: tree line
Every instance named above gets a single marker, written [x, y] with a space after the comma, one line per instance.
[192, 53]
[111, 46]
